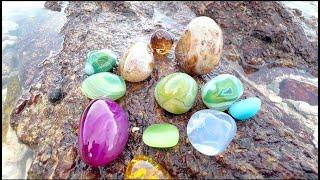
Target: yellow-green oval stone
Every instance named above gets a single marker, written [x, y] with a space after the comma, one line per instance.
[221, 91]
[161, 135]
[104, 85]
[176, 92]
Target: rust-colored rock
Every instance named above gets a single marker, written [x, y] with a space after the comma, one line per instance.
[299, 91]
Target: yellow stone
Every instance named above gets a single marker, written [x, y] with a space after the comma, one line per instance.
[143, 167]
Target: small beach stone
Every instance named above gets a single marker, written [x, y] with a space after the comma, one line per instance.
[211, 131]
[56, 95]
[137, 62]
[143, 167]
[176, 92]
[245, 109]
[161, 135]
[221, 91]
[104, 85]
[199, 49]
[100, 61]
[161, 41]
[103, 132]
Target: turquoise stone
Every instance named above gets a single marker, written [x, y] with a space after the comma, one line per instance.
[100, 61]
[245, 109]
[220, 92]
[104, 85]
[210, 131]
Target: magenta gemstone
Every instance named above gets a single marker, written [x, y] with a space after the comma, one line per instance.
[103, 132]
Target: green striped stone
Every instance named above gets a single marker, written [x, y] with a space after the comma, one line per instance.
[176, 92]
[220, 92]
[100, 61]
[104, 85]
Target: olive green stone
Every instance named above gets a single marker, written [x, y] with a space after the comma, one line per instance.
[100, 61]
[104, 85]
[176, 92]
[220, 92]
[161, 135]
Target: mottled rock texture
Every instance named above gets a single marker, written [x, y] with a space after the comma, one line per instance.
[271, 145]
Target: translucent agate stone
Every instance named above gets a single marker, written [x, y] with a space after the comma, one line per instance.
[176, 92]
[100, 61]
[161, 135]
[221, 91]
[143, 167]
[210, 131]
[199, 49]
[161, 41]
[103, 132]
[104, 85]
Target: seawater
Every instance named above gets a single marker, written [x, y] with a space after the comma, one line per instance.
[30, 33]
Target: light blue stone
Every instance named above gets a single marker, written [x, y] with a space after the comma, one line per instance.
[211, 131]
[245, 109]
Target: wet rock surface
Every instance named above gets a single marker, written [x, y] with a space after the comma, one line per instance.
[53, 5]
[273, 144]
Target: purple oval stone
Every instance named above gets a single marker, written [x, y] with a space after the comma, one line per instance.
[103, 132]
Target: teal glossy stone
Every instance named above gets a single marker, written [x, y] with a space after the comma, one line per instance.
[176, 92]
[104, 85]
[245, 109]
[220, 92]
[100, 61]
[161, 135]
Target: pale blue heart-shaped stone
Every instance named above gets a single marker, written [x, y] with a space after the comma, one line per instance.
[211, 131]
[245, 109]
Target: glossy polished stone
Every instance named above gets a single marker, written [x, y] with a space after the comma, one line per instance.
[176, 92]
[137, 63]
[161, 41]
[103, 132]
[221, 91]
[104, 85]
[143, 167]
[100, 61]
[245, 109]
[199, 49]
[161, 135]
[210, 131]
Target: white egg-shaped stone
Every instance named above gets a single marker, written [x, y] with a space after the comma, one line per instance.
[199, 49]
[137, 63]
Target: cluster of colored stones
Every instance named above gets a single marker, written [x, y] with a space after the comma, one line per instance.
[103, 131]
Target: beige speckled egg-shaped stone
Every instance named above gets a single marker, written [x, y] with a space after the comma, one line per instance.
[137, 62]
[199, 49]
